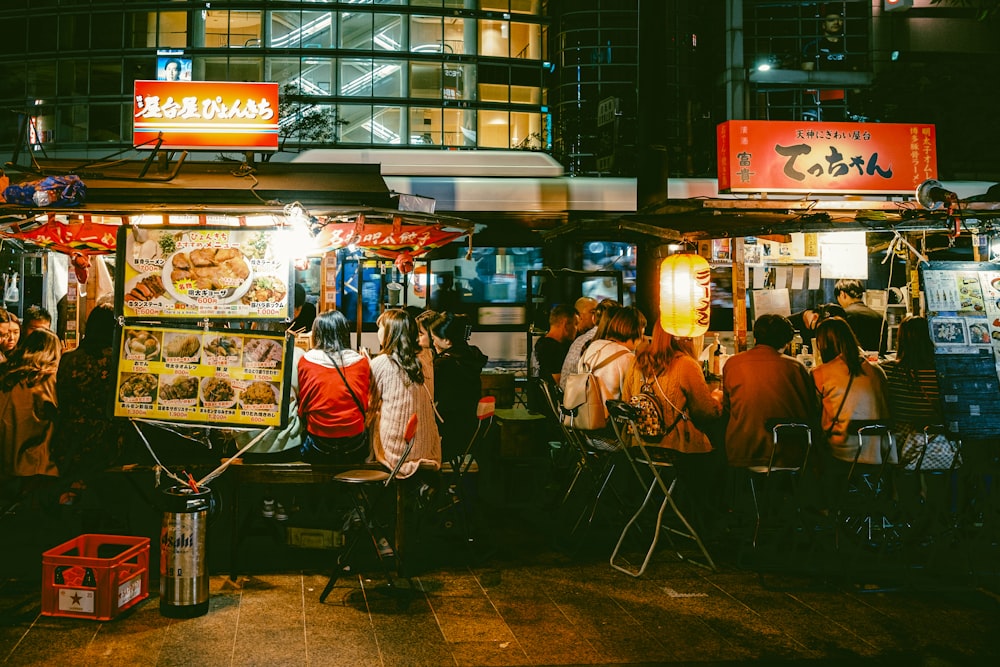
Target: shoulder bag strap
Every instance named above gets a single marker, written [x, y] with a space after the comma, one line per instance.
[608, 360]
[843, 400]
[343, 377]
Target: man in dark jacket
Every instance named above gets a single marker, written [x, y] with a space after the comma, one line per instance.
[866, 323]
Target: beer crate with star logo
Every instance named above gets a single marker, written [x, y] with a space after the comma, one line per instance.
[95, 576]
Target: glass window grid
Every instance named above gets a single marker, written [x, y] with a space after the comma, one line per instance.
[170, 29]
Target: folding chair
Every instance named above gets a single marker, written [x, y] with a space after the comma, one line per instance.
[594, 465]
[371, 487]
[623, 420]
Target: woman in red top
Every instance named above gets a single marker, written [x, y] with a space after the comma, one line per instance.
[333, 394]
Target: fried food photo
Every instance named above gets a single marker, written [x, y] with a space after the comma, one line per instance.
[181, 346]
[138, 386]
[259, 393]
[217, 390]
[223, 346]
[210, 268]
[181, 388]
[265, 289]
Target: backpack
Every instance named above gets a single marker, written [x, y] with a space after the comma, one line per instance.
[583, 404]
[650, 425]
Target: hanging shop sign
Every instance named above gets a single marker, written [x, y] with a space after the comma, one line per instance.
[208, 115]
[203, 376]
[89, 238]
[179, 272]
[834, 158]
[387, 239]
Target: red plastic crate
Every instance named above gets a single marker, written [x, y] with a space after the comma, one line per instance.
[95, 576]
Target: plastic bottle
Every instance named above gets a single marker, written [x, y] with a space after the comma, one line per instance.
[806, 357]
[715, 356]
[796, 346]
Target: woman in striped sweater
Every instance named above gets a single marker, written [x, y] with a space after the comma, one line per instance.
[398, 391]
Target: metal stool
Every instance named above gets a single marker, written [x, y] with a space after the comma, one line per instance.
[865, 509]
[783, 465]
[370, 486]
[623, 420]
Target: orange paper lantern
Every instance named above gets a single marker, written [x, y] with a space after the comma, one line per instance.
[685, 295]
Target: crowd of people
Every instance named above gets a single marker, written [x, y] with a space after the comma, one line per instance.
[726, 427]
[349, 407]
[345, 407]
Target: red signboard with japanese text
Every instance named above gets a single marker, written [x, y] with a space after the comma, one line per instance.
[208, 115]
[835, 158]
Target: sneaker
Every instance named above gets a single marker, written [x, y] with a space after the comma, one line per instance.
[268, 510]
[384, 548]
[279, 512]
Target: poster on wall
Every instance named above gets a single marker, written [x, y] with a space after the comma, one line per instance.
[174, 272]
[218, 377]
[963, 315]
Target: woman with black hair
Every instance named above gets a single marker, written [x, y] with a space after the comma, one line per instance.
[398, 391]
[457, 383]
[333, 394]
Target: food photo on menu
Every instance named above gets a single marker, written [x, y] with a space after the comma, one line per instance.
[194, 272]
[202, 375]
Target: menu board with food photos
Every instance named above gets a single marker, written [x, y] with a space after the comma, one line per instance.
[203, 376]
[963, 314]
[198, 272]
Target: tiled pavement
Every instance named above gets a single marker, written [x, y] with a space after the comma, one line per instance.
[526, 603]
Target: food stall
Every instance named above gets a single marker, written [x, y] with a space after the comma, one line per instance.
[802, 204]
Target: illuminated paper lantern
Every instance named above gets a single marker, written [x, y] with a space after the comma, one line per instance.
[685, 295]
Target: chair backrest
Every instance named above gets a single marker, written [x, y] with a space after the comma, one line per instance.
[623, 418]
[409, 434]
[486, 414]
[873, 428]
[781, 457]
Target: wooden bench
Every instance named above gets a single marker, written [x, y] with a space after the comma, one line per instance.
[301, 472]
[239, 474]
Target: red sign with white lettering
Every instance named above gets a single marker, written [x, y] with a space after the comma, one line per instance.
[207, 115]
[834, 158]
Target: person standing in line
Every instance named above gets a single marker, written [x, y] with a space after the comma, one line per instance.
[398, 391]
[36, 317]
[584, 335]
[457, 370]
[86, 441]
[867, 324]
[334, 383]
[28, 410]
[10, 333]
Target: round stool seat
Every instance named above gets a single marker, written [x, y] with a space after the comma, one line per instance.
[361, 476]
